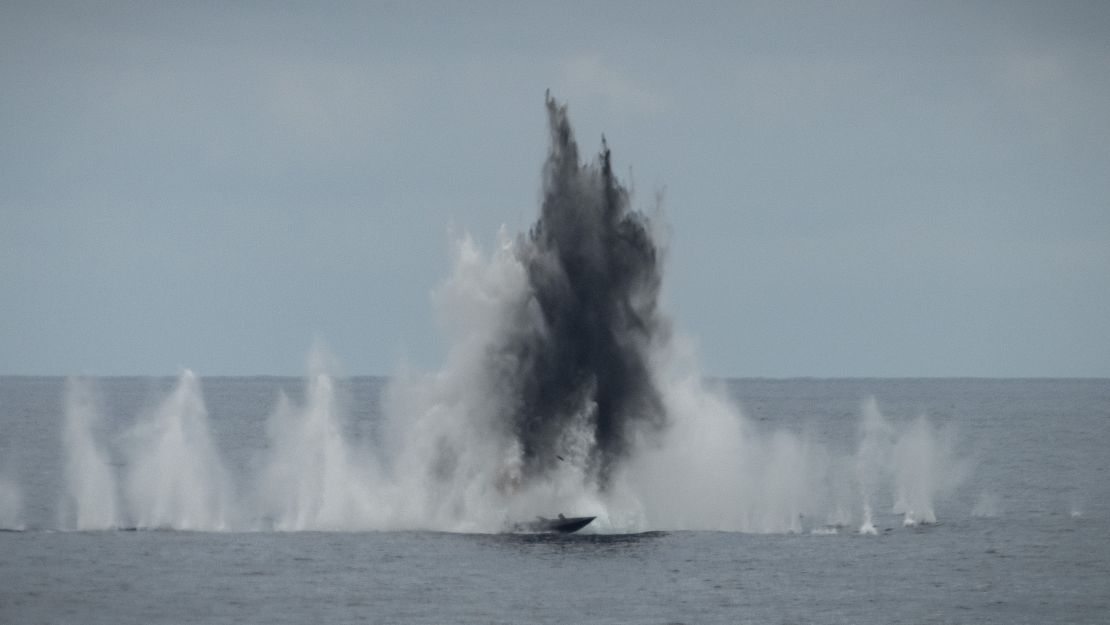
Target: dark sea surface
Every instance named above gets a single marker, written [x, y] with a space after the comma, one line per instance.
[1025, 538]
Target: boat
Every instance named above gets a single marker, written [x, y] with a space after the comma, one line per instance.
[561, 525]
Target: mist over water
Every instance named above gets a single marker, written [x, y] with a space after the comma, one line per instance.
[11, 504]
[564, 391]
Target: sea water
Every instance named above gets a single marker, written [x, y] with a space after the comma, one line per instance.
[992, 508]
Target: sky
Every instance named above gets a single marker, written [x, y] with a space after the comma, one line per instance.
[848, 188]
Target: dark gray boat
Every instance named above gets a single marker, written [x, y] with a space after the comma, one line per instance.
[561, 525]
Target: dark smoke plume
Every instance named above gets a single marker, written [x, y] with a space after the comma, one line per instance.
[594, 273]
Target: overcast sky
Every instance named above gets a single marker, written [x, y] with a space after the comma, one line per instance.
[851, 188]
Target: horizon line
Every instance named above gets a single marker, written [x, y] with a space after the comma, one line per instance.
[714, 377]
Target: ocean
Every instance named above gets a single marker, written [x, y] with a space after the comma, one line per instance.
[989, 503]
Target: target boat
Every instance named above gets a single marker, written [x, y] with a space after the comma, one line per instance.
[561, 525]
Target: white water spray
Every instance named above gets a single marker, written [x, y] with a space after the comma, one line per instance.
[314, 479]
[925, 467]
[91, 498]
[713, 470]
[872, 460]
[915, 456]
[176, 479]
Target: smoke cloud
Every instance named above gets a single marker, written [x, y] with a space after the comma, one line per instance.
[578, 355]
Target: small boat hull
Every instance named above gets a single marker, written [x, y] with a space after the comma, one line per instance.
[561, 525]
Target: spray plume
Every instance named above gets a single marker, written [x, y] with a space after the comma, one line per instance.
[593, 274]
[176, 478]
[564, 391]
[90, 502]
